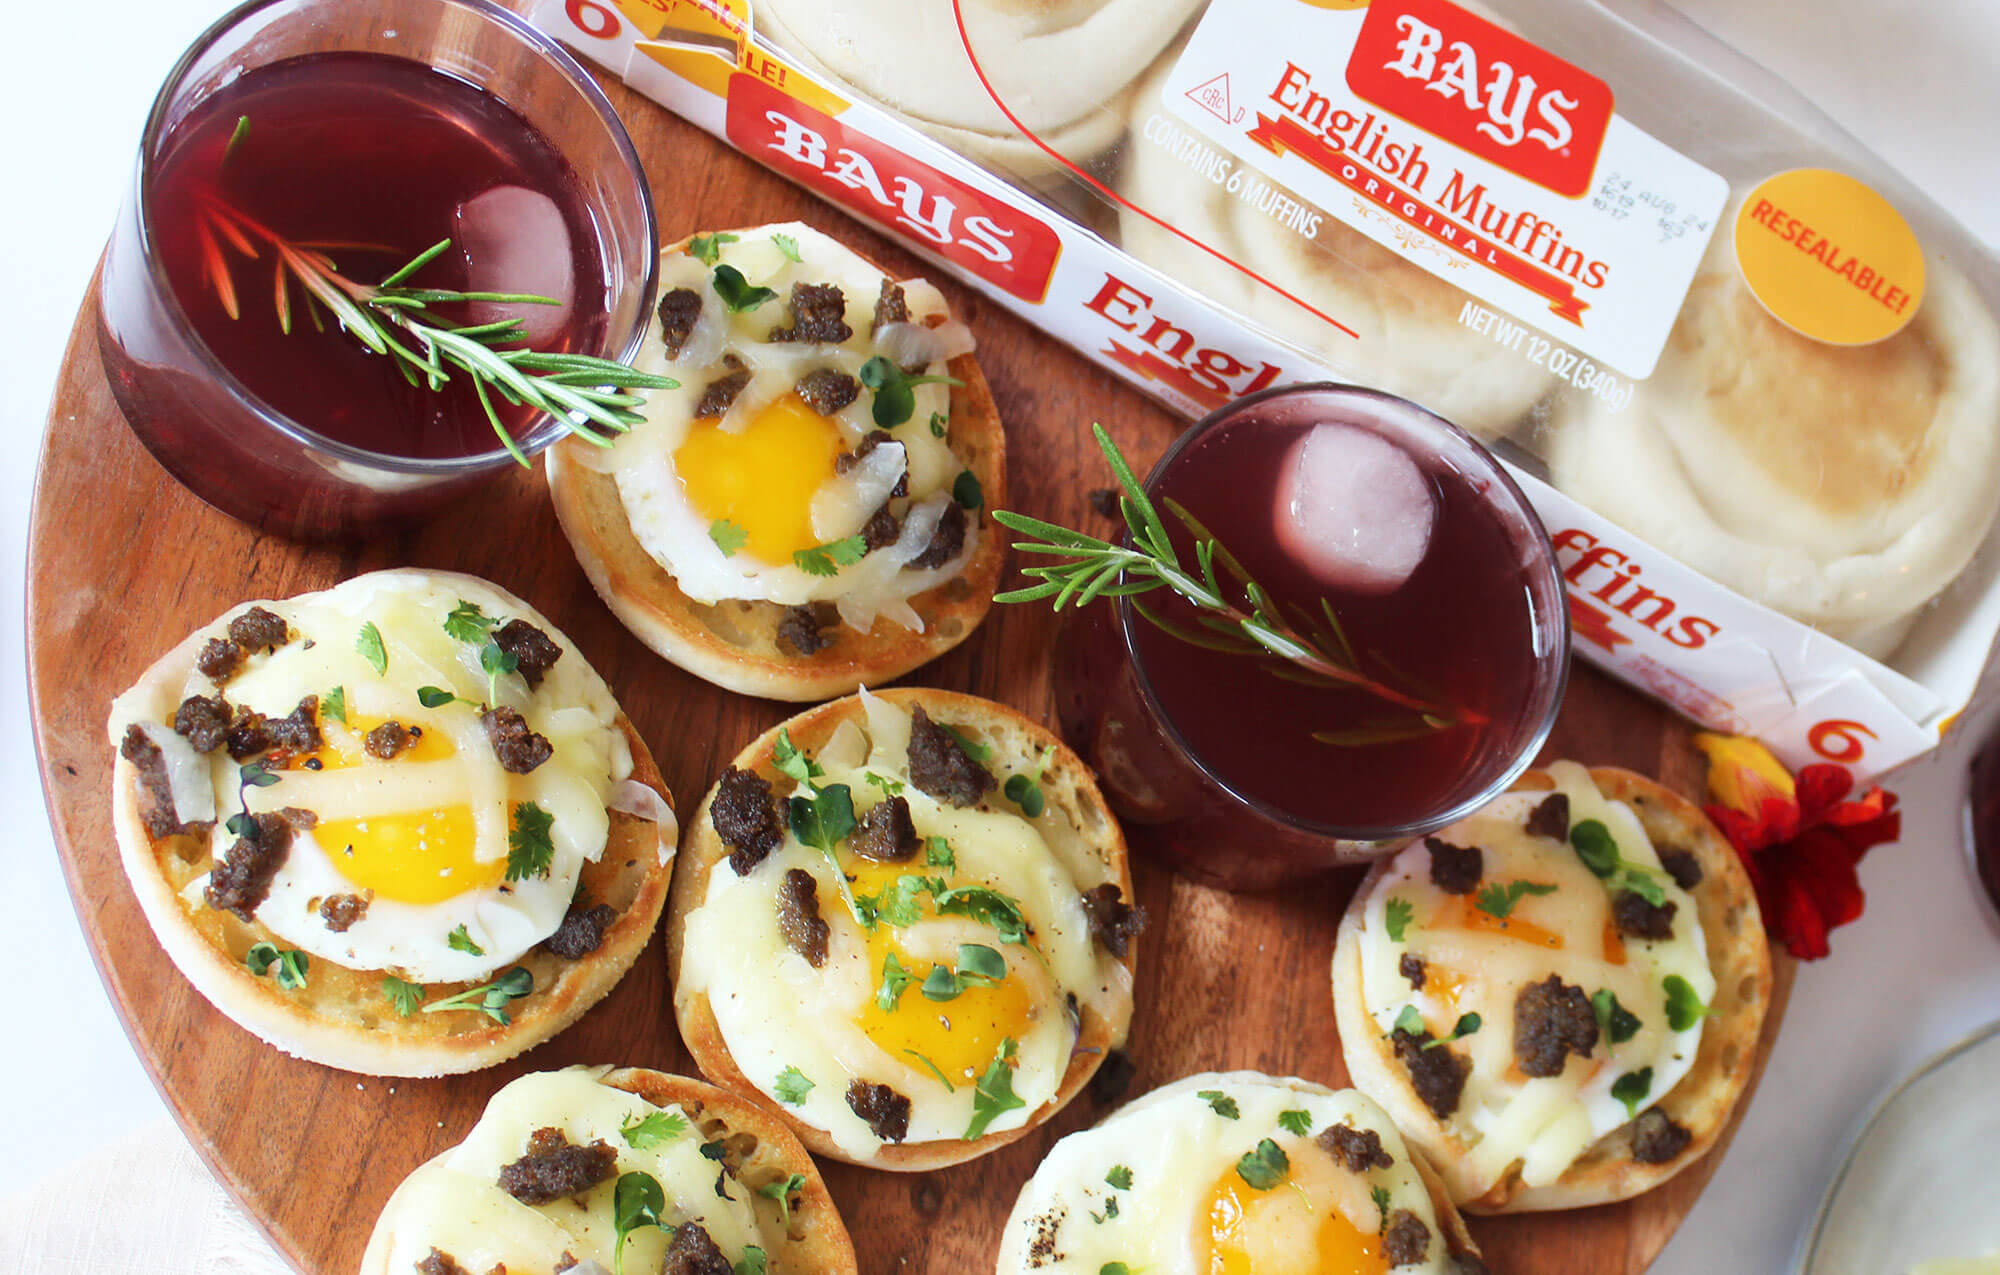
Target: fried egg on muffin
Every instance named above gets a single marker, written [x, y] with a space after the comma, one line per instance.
[398, 826]
[1558, 997]
[1229, 1174]
[904, 923]
[806, 510]
[547, 1183]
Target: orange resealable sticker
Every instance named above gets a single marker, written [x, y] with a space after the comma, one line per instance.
[1829, 257]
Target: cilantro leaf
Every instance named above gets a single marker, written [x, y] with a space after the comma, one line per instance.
[900, 904]
[468, 623]
[978, 966]
[461, 941]
[935, 1070]
[707, 249]
[889, 787]
[789, 246]
[369, 643]
[786, 756]
[1024, 792]
[404, 996]
[736, 291]
[829, 558]
[1295, 1122]
[791, 1087]
[1265, 1167]
[1616, 1022]
[966, 491]
[894, 390]
[530, 850]
[496, 663]
[652, 1129]
[938, 854]
[1120, 1177]
[255, 775]
[1597, 848]
[994, 1095]
[1221, 1104]
[823, 819]
[782, 1190]
[1380, 1195]
[1396, 917]
[977, 751]
[635, 1202]
[333, 705]
[937, 424]
[894, 979]
[1632, 1088]
[1684, 1008]
[753, 1263]
[1110, 1211]
[260, 957]
[727, 536]
[987, 906]
[1499, 900]
[490, 999]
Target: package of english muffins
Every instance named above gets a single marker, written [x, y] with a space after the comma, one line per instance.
[1749, 376]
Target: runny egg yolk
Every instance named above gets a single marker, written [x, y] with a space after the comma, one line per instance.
[1245, 1231]
[762, 478]
[420, 856]
[961, 1036]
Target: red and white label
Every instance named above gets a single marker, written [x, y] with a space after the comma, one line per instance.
[1000, 244]
[1474, 153]
[1483, 89]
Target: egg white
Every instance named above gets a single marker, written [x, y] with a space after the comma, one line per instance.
[1544, 1123]
[1176, 1146]
[454, 1202]
[655, 498]
[775, 1011]
[572, 708]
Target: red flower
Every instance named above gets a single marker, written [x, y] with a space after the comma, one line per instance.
[1800, 839]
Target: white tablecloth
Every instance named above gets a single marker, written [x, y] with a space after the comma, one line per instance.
[94, 1181]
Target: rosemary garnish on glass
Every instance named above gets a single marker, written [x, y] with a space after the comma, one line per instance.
[1234, 613]
[395, 319]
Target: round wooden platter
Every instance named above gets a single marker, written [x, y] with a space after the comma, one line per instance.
[123, 562]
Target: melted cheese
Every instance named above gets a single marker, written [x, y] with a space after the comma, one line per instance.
[1477, 963]
[775, 1011]
[767, 463]
[454, 1203]
[424, 836]
[1187, 1211]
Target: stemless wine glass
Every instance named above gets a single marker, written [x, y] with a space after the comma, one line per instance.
[200, 421]
[1174, 801]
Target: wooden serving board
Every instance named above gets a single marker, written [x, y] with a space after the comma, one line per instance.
[123, 562]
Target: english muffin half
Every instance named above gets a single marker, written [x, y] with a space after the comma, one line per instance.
[398, 827]
[809, 510]
[1238, 1171]
[1558, 998]
[904, 923]
[537, 1186]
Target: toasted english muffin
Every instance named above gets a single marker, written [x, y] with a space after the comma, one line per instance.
[692, 585]
[1570, 1118]
[380, 903]
[997, 956]
[1237, 1171]
[721, 1163]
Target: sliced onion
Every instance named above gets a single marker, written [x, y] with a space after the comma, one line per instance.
[630, 797]
[189, 783]
[918, 525]
[908, 344]
[764, 389]
[955, 337]
[923, 298]
[844, 503]
[846, 746]
[706, 339]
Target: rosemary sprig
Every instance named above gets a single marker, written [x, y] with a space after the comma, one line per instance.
[1235, 614]
[393, 318]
